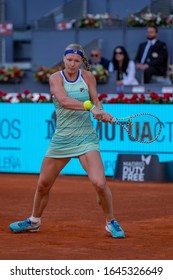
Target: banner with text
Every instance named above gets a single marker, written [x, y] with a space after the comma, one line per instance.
[26, 130]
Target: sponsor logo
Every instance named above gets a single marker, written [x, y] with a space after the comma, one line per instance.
[9, 163]
[10, 129]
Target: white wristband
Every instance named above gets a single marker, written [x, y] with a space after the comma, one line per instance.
[93, 106]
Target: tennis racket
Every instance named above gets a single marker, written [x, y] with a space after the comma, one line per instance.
[141, 127]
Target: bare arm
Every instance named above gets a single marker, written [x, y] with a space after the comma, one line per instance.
[97, 113]
[58, 91]
[91, 82]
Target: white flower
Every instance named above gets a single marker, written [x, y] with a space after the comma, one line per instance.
[159, 19]
[94, 72]
[90, 16]
[40, 73]
[148, 16]
[136, 18]
[97, 16]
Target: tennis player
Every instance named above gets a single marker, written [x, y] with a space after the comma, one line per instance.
[74, 95]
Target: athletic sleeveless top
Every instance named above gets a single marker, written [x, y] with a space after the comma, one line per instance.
[74, 134]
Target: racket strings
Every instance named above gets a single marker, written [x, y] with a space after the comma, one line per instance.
[144, 128]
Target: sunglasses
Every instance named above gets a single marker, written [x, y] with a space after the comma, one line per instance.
[94, 55]
[118, 52]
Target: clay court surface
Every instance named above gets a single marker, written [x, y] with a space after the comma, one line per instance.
[73, 224]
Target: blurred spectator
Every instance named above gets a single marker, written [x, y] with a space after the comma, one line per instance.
[124, 67]
[97, 58]
[152, 56]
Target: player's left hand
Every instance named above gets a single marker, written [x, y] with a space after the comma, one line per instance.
[106, 117]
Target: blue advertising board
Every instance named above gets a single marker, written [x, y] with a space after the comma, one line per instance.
[26, 130]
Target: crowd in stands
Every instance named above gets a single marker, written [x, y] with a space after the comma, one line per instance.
[151, 61]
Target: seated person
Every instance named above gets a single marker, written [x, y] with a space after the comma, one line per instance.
[152, 56]
[97, 58]
[124, 67]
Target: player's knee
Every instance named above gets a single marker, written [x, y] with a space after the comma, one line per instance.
[99, 184]
[43, 188]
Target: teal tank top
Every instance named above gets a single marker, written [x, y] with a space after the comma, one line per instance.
[74, 134]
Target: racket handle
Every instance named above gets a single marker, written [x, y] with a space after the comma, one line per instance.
[113, 120]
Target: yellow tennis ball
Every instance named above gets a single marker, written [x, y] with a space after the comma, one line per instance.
[87, 104]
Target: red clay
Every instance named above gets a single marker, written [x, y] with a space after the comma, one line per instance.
[73, 224]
